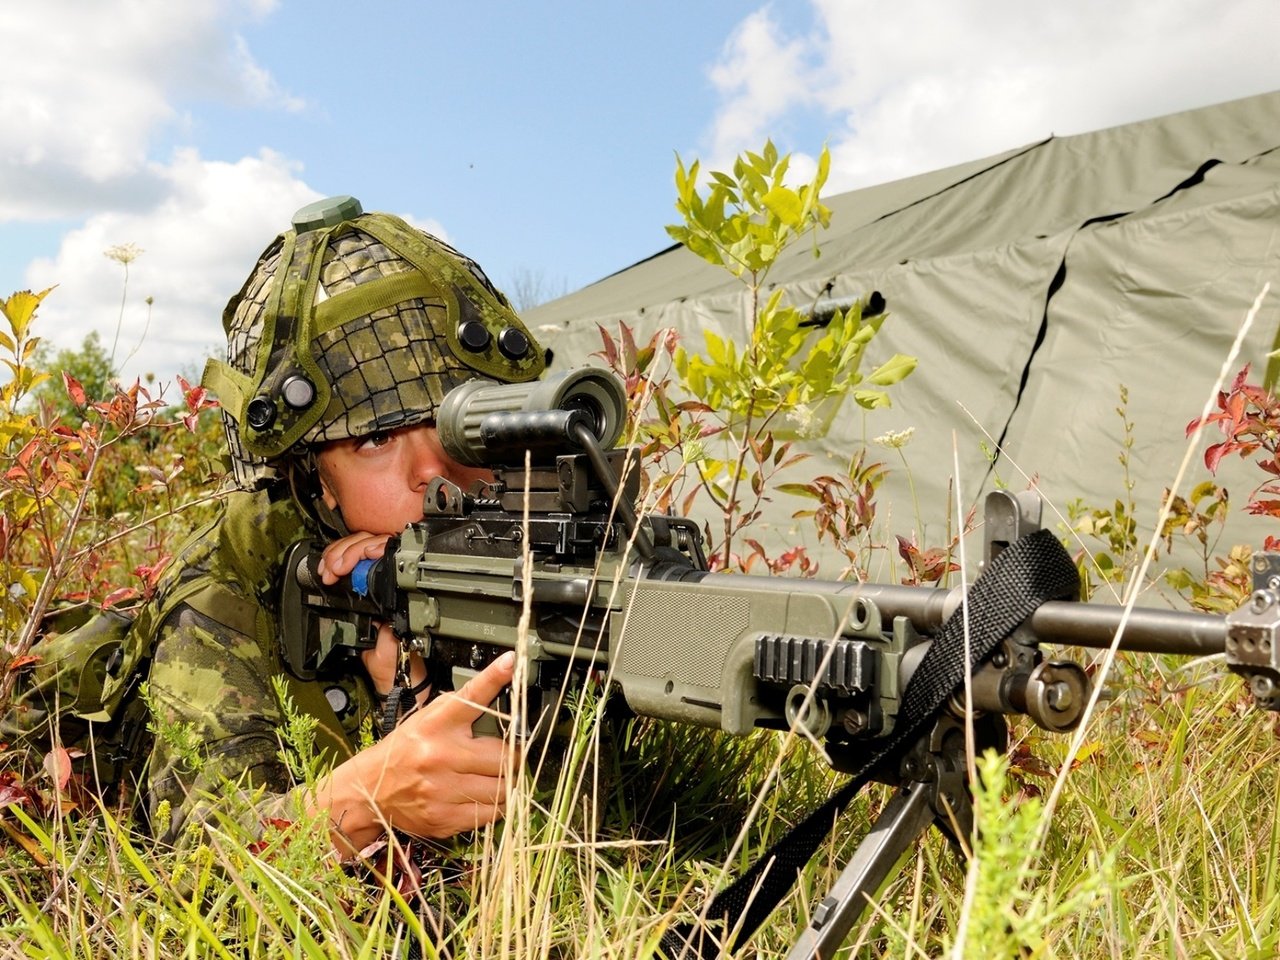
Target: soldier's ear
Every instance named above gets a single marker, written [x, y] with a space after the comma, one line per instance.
[326, 494]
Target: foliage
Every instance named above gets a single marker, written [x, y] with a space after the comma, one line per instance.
[89, 366]
[1194, 522]
[1249, 418]
[77, 517]
[1163, 846]
[1223, 582]
[788, 377]
[844, 511]
[1116, 528]
[1015, 912]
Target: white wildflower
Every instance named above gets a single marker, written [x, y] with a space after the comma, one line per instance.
[804, 417]
[124, 253]
[895, 439]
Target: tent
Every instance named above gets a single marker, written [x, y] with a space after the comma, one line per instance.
[1032, 286]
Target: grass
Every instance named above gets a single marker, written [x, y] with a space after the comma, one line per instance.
[1166, 843]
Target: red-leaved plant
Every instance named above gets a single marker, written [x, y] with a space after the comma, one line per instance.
[1249, 418]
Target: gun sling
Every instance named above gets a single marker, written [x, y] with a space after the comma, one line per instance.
[1028, 572]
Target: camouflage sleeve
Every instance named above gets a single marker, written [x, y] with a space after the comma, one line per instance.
[210, 690]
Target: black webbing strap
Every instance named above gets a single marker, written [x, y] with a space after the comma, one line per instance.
[1027, 573]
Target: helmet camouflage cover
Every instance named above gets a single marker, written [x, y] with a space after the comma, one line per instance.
[352, 324]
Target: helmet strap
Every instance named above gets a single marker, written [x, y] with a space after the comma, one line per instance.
[303, 474]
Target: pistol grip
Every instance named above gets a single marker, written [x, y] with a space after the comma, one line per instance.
[504, 716]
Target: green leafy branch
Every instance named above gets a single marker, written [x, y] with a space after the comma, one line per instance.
[793, 370]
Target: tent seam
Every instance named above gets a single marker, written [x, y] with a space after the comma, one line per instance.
[1060, 278]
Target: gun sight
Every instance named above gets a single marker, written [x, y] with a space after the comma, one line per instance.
[487, 424]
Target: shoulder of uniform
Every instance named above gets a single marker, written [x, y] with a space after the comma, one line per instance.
[222, 602]
[229, 569]
[254, 536]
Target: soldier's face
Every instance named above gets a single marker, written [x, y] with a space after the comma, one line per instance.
[378, 481]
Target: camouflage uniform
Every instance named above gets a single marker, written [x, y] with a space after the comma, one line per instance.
[215, 654]
[207, 649]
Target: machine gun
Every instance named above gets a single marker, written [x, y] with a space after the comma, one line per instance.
[552, 560]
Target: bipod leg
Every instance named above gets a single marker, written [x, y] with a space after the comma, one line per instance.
[907, 815]
[932, 790]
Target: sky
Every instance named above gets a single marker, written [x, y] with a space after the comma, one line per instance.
[539, 137]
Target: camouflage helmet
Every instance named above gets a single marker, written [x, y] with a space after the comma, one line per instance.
[354, 323]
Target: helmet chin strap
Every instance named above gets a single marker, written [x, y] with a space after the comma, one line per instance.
[303, 475]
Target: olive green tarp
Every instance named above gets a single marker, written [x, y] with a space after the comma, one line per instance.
[1031, 285]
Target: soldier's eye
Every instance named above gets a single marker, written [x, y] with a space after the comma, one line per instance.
[373, 440]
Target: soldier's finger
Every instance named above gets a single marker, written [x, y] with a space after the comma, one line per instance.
[484, 757]
[474, 696]
[485, 791]
[471, 816]
[341, 556]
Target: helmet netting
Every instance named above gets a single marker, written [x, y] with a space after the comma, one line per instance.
[388, 369]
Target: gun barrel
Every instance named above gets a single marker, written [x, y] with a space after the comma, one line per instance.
[1146, 631]
[926, 607]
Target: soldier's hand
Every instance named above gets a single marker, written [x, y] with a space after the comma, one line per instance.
[382, 659]
[341, 556]
[431, 776]
[339, 559]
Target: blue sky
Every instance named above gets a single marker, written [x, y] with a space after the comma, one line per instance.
[539, 137]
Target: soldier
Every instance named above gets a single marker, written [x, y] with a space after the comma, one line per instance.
[341, 345]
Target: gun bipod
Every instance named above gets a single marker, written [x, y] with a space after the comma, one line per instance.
[932, 789]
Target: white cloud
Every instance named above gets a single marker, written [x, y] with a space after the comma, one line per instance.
[917, 85]
[88, 85]
[258, 82]
[89, 88]
[761, 76]
[199, 243]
